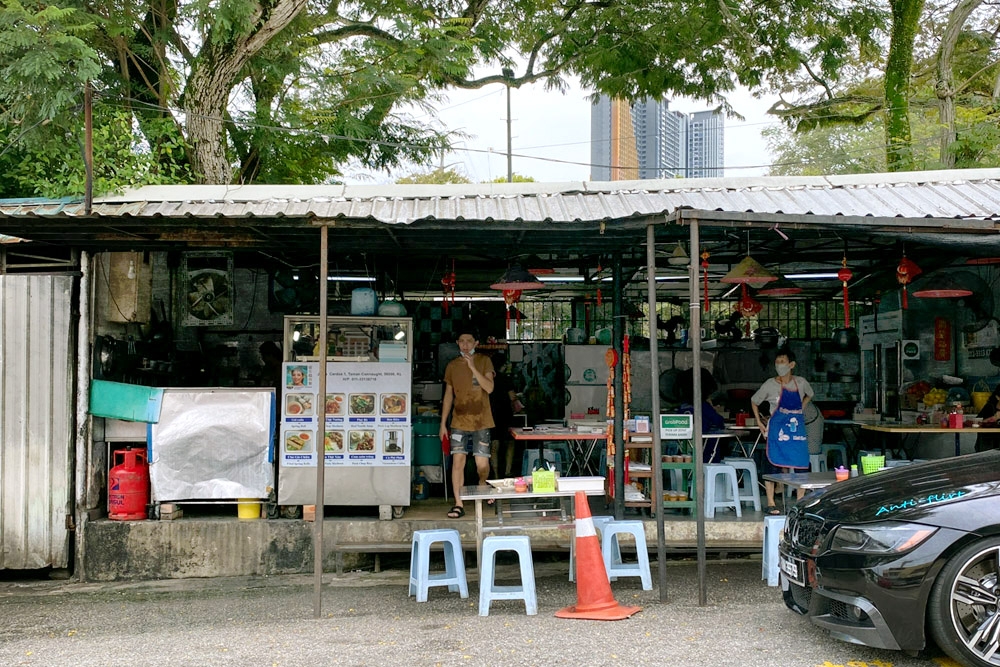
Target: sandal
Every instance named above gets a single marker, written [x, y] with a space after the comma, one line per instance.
[772, 510]
[456, 512]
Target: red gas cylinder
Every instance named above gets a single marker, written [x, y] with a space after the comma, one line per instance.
[128, 486]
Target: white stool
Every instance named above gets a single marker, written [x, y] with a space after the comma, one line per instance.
[726, 494]
[420, 560]
[841, 450]
[599, 523]
[769, 560]
[488, 591]
[817, 463]
[749, 491]
[609, 545]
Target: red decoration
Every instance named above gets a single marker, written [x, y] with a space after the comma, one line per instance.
[748, 307]
[510, 297]
[844, 275]
[942, 339]
[448, 283]
[905, 273]
[704, 265]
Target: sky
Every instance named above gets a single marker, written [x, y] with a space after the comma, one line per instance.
[555, 126]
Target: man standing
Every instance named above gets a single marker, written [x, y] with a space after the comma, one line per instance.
[468, 385]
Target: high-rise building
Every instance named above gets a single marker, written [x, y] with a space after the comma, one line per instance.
[667, 144]
[612, 141]
[706, 146]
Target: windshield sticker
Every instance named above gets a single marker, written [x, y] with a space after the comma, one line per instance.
[913, 502]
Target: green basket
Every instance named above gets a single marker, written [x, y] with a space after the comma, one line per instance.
[870, 464]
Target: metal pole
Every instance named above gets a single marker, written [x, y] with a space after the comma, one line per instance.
[617, 328]
[88, 147]
[83, 440]
[699, 467]
[321, 435]
[510, 163]
[654, 417]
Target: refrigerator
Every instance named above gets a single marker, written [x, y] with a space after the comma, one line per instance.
[586, 383]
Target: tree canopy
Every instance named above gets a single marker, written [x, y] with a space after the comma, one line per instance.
[288, 91]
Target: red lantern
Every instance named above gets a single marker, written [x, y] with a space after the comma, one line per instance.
[844, 275]
[510, 297]
[748, 307]
[905, 273]
[448, 284]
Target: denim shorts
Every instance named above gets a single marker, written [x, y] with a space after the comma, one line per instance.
[476, 443]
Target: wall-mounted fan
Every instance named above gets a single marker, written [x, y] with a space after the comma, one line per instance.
[207, 289]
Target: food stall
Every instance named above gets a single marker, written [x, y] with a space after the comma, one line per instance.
[366, 440]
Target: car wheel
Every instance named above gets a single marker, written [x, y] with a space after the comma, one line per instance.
[962, 615]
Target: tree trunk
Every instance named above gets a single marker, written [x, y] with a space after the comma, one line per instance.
[218, 67]
[945, 85]
[898, 66]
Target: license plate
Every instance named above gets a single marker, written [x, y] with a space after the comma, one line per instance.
[791, 568]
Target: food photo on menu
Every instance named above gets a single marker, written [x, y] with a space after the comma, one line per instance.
[362, 441]
[392, 440]
[334, 441]
[362, 404]
[335, 404]
[298, 441]
[393, 404]
[299, 405]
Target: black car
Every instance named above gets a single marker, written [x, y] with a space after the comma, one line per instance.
[892, 558]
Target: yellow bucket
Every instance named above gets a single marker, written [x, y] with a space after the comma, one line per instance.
[248, 508]
[979, 396]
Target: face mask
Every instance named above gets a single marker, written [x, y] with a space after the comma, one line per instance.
[783, 369]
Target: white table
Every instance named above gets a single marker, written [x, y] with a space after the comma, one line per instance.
[739, 431]
[581, 445]
[559, 518]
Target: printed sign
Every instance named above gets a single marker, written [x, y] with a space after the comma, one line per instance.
[676, 427]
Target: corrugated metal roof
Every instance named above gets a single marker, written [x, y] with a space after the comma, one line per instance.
[957, 194]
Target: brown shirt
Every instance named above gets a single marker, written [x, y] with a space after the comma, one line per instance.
[470, 410]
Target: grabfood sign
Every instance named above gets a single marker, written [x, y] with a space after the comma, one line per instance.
[676, 427]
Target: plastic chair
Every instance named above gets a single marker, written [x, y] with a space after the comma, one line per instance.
[721, 489]
[599, 523]
[453, 576]
[817, 463]
[531, 455]
[840, 449]
[489, 591]
[616, 567]
[749, 490]
[769, 560]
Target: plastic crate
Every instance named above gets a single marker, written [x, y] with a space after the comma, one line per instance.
[870, 464]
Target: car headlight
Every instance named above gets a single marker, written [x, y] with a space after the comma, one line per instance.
[879, 538]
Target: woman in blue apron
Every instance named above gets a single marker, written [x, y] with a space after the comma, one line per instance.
[787, 443]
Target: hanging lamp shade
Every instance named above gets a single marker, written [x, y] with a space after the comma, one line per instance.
[749, 272]
[942, 287]
[678, 257]
[780, 287]
[516, 278]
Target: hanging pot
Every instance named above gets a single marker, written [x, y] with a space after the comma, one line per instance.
[845, 338]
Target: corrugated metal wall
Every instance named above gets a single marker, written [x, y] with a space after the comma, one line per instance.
[36, 420]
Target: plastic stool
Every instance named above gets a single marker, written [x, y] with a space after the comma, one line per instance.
[727, 495]
[769, 561]
[749, 491]
[599, 523]
[488, 591]
[420, 560]
[840, 448]
[609, 545]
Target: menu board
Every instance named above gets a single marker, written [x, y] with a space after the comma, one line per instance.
[367, 414]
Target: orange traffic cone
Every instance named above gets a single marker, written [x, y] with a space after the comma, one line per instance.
[594, 600]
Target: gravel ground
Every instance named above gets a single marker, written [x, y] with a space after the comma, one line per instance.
[368, 619]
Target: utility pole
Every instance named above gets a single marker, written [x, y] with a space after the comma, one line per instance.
[508, 74]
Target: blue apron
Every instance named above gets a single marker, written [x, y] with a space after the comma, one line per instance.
[787, 445]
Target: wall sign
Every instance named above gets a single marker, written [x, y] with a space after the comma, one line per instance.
[942, 339]
[676, 427]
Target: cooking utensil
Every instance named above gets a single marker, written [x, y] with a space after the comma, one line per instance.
[845, 338]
